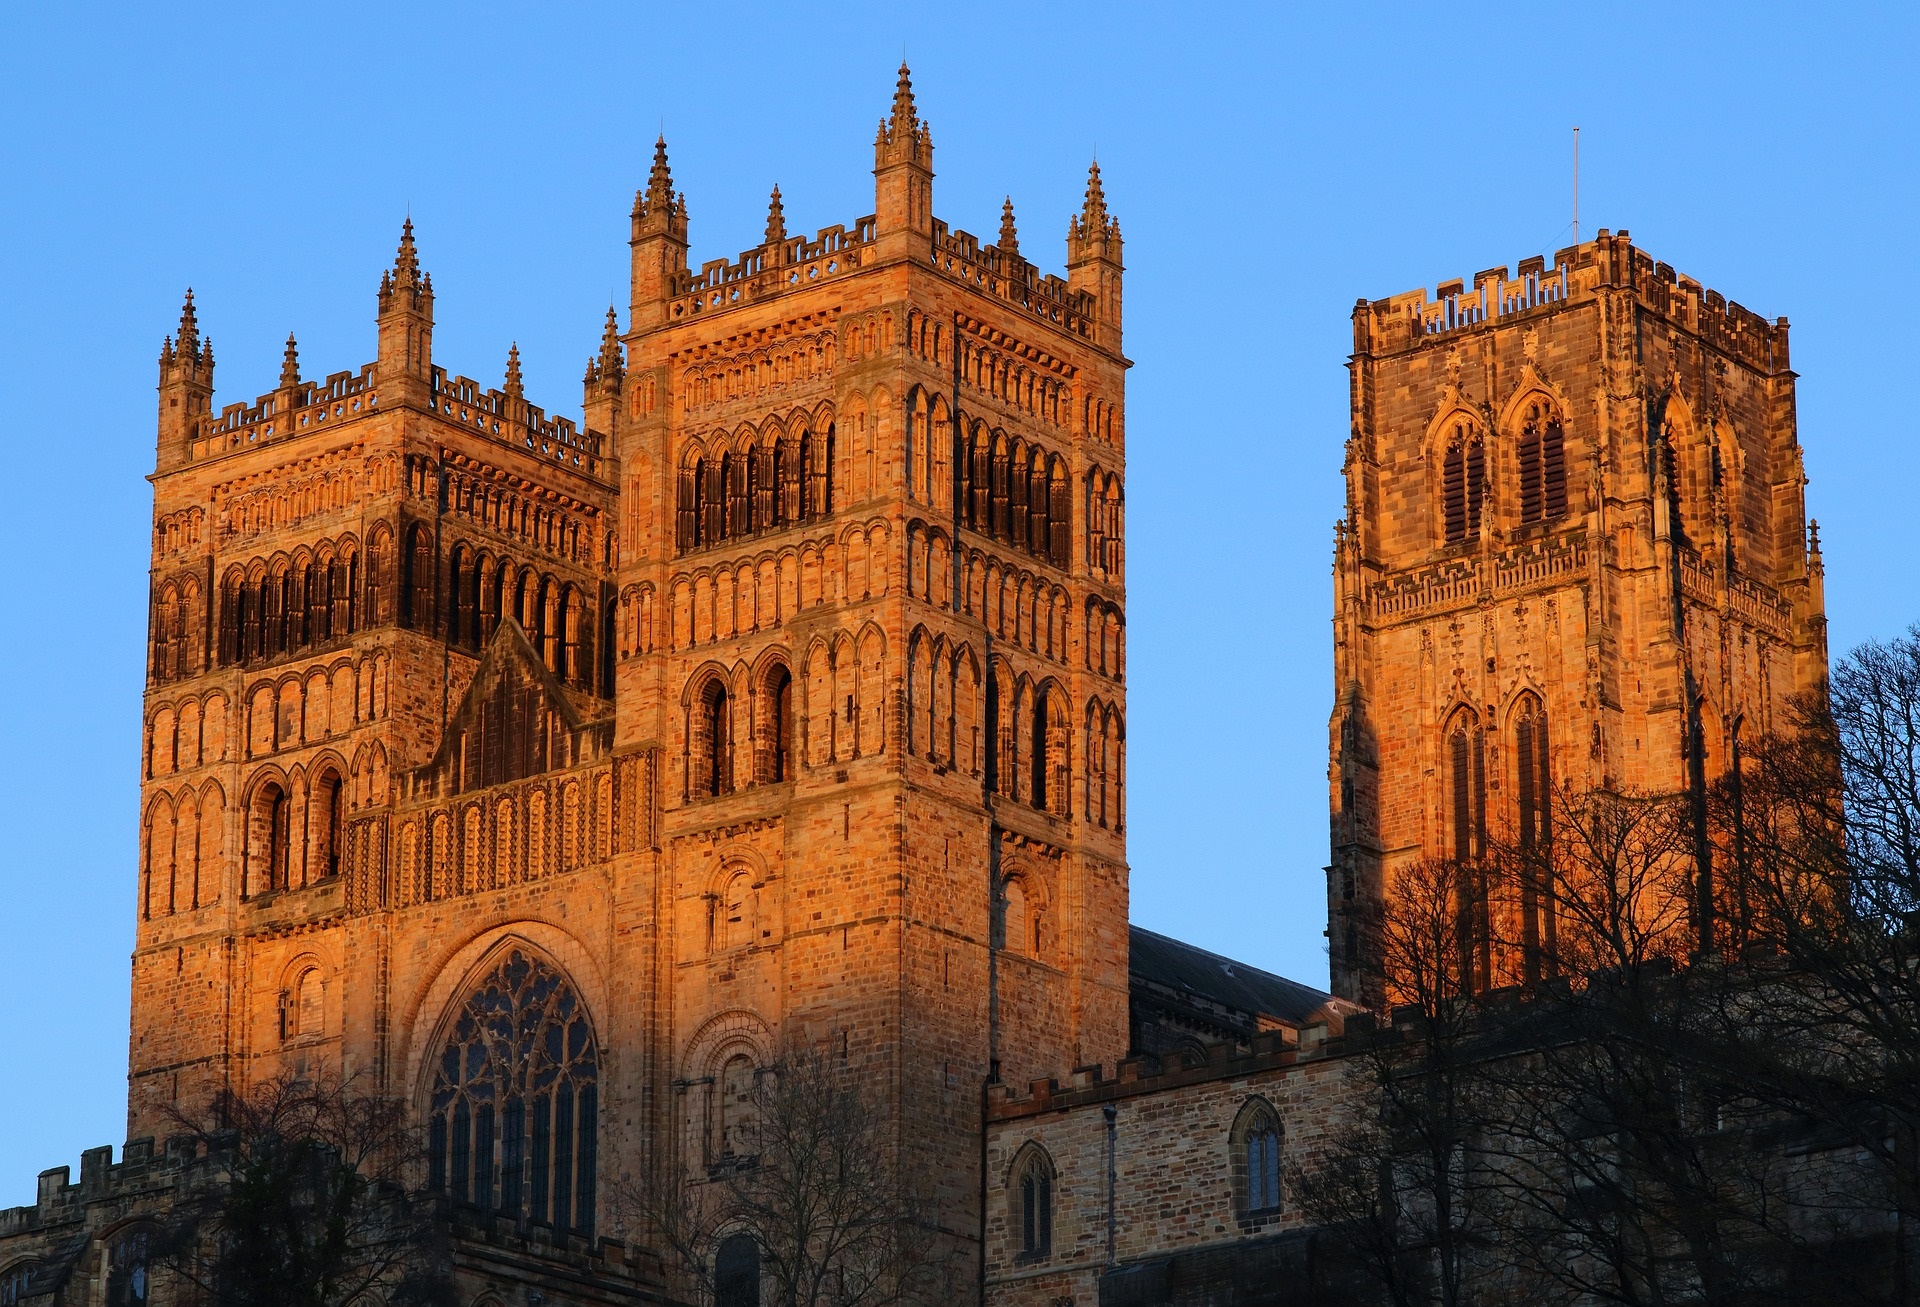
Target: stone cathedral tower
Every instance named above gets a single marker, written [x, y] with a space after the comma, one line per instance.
[1575, 553]
[559, 779]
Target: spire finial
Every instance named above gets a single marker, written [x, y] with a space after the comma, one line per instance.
[1095, 208]
[290, 365]
[1009, 235]
[659, 193]
[513, 387]
[776, 218]
[611, 365]
[189, 334]
[406, 261]
[1813, 541]
[904, 115]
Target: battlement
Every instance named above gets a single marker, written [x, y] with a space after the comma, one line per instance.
[1318, 1041]
[779, 266]
[59, 1200]
[490, 412]
[1610, 261]
[770, 269]
[282, 414]
[1009, 277]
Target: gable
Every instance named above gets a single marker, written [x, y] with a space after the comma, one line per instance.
[514, 721]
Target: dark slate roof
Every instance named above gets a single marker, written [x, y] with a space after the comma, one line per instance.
[1169, 964]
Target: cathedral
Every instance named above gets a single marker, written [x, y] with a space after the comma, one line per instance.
[555, 777]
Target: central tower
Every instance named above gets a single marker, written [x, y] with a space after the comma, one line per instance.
[1575, 557]
[870, 606]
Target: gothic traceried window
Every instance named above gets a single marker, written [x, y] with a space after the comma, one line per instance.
[15, 1282]
[1033, 1203]
[514, 1115]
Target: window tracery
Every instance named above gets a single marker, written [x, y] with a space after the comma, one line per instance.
[513, 1116]
[1255, 1141]
[1033, 1194]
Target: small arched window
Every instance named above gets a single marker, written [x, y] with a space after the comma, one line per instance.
[1033, 1194]
[1016, 931]
[1463, 483]
[1543, 466]
[733, 925]
[710, 742]
[738, 1125]
[1256, 1160]
[267, 838]
[736, 1272]
[303, 1016]
[776, 724]
[328, 821]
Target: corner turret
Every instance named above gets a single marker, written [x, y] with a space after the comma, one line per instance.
[186, 389]
[659, 243]
[903, 177]
[405, 367]
[1093, 258]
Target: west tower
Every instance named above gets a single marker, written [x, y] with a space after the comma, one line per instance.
[780, 703]
[1575, 554]
[871, 588]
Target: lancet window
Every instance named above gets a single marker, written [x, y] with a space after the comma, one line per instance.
[1533, 788]
[1467, 801]
[513, 1117]
[1256, 1159]
[1033, 1199]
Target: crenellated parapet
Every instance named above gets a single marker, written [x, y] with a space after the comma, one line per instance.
[1578, 273]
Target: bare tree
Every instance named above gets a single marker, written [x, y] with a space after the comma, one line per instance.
[830, 1216]
[305, 1202]
[1397, 1190]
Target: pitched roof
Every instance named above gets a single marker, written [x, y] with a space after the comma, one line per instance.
[1169, 964]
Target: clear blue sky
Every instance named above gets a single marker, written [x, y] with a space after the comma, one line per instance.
[1269, 164]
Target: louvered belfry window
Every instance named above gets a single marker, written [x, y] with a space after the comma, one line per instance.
[1543, 466]
[1463, 484]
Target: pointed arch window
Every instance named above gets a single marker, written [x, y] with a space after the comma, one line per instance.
[1467, 798]
[736, 1272]
[1463, 483]
[1543, 465]
[1533, 787]
[1033, 1199]
[1255, 1142]
[513, 1118]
